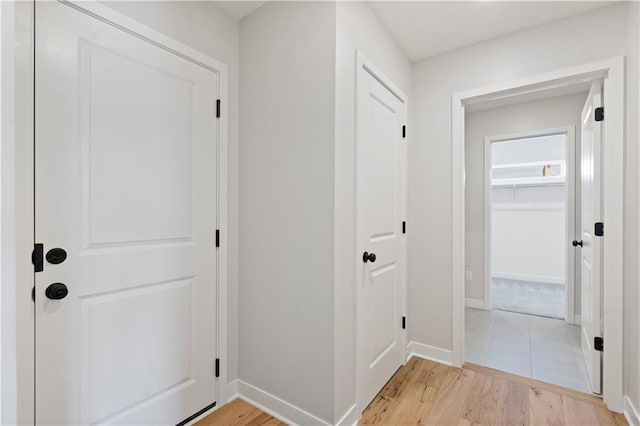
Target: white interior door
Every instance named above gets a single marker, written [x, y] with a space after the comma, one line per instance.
[380, 153]
[126, 172]
[591, 250]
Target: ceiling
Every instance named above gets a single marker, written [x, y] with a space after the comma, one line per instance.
[238, 9]
[427, 28]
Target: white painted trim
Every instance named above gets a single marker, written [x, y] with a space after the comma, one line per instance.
[487, 253]
[17, 223]
[281, 409]
[476, 304]
[24, 182]
[364, 64]
[349, 418]
[613, 240]
[276, 407]
[630, 412]
[431, 353]
[233, 392]
[612, 70]
[457, 231]
[8, 148]
[577, 320]
[136, 28]
[531, 278]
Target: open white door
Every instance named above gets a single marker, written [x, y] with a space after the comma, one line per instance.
[126, 171]
[591, 251]
[380, 181]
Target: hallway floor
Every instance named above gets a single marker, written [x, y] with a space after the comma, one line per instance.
[540, 348]
[427, 393]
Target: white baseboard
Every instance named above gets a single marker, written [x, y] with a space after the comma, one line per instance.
[431, 353]
[530, 278]
[475, 303]
[232, 391]
[350, 418]
[577, 319]
[277, 407]
[630, 412]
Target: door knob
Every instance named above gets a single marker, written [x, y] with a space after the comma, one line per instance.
[56, 291]
[368, 257]
[56, 255]
[577, 243]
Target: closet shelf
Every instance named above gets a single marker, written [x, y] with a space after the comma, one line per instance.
[538, 173]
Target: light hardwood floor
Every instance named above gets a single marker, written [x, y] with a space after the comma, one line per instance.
[427, 393]
[237, 413]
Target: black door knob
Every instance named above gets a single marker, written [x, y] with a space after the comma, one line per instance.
[368, 257]
[56, 255]
[577, 243]
[56, 291]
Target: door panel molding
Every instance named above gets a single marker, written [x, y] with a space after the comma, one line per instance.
[19, 409]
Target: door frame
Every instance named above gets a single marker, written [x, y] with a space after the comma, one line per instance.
[365, 65]
[570, 210]
[612, 71]
[18, 391]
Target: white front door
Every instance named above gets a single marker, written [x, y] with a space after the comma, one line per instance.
[380, 181]
[126, 175]
[591, 250]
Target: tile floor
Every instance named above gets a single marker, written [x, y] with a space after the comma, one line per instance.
[541, 348]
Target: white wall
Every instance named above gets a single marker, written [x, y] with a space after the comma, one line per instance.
[580, 39]
[204, 27]
[521, 117]
[528, 237]
[290, 162]
[528, 231]
[632, 219]
[286, 298]
[357, 28]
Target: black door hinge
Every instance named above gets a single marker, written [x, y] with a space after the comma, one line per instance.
[217, 238]
[404, 132]
[217, 367]
[218, 108]
[404, 227]
[599, 114]
[37, 257]
[599, 229]
[404, 323]
[598, 344]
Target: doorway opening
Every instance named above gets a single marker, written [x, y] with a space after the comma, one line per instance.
[600, 252]
[529, 208]
[520, 209]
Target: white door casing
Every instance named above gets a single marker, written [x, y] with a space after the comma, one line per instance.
[126, 182]
[612, 70]
[380, 158]
[591, 251]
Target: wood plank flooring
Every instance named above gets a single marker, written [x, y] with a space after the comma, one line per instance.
[237, 413]
[427, 393]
